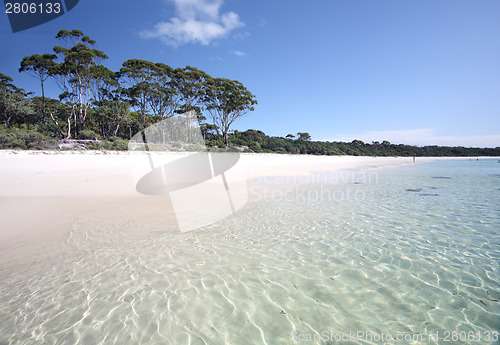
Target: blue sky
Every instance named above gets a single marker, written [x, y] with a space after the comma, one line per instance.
[413, 72]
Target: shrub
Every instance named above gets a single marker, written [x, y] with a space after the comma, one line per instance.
[232, 149]
[119, 145]
[194, 148]
[280, 150]
[216, 142]
[89, 135]
[106, 145]
[50, 144]
[95, 145]
[18, 144]
[23, 138]
[255, 147]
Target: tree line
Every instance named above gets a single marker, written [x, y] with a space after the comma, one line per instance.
[112, 106]
[96, 102]
[258, 141]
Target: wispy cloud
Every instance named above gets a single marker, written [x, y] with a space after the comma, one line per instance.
[238, 53]
[196, 21]
[421, 137]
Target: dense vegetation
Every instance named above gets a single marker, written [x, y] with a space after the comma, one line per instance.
[103, 108]
[257, 141]
[97, 103]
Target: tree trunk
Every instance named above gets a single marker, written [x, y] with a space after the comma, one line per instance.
[69, 128]
[57, 124]
[116, 130]
[75, 117]
[81, 119]
[43, 102]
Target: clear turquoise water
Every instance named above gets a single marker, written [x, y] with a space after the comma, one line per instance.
[406, 255]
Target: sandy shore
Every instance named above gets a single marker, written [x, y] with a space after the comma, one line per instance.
[43, 193]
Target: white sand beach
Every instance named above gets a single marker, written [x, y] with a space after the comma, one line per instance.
[42, 193]
[85, 258]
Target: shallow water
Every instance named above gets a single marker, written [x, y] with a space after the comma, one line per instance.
[395, 255]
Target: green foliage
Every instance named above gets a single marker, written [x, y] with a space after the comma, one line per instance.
[280, 150]
[176, 146]
[257, 141]
[99, 103]
[302, 136]
[194, 148]
[89, 135]
[215, 142]
[255, 147]
[106, 145]
[226, 101]
[24, 138]
[15, 108]
[109, 145]
[77, 75]
[98, 145]
[119, 145]
[40, 67]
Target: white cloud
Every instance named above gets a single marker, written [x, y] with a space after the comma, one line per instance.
[196, 21]
[238, 53]
[421, 137]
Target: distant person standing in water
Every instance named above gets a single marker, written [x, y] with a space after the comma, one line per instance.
[413, 159]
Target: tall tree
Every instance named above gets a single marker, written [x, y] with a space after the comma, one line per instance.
[163, 98]
[226, 101]
[76, 71]
[40, 67]
[116, 113]
[14, 106]
[58, 113]
[137, 75]
[105, 83]
[303, 136]
[189, 82]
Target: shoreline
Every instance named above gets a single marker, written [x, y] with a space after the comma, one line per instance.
[43, 193]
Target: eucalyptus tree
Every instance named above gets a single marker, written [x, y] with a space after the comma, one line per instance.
[104, 84]
[226, 101]
[6, 81]
[59, 113]
[105, 91]
[40, 67]
[15, 108]
[163, 97]
[190, 83]
[115, 113]
[75, 74]
[138, 77]
[303, 136]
